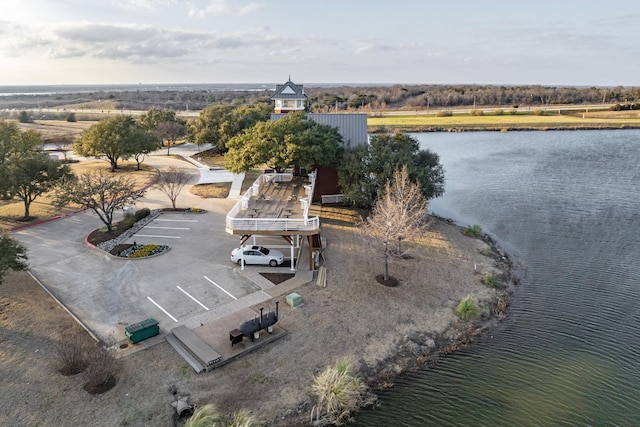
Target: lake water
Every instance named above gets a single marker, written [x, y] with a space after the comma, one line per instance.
[567, 204]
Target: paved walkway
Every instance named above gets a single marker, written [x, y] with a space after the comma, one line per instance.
[210, 175]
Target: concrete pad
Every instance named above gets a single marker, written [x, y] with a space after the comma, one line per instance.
[216, 334]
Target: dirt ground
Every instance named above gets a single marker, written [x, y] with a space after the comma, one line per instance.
[382, 330]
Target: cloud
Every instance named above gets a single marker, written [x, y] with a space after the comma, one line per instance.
[220, 7]
[142, 4]
[16, 39]
[149, 44]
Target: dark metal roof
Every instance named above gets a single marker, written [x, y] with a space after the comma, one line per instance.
[298, 91]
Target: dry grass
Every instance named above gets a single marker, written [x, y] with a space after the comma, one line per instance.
[54, 129]
[219, 190]
[12, 211]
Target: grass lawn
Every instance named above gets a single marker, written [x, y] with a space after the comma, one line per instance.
[521, 120]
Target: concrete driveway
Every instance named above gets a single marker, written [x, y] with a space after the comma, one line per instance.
[193, 283]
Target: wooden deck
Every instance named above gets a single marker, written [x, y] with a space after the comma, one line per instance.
[276, 200]
[275, 205]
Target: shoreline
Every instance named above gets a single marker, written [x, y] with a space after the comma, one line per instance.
[423, 349]
[456, 129]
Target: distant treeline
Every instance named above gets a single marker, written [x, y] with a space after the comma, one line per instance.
[341, 98]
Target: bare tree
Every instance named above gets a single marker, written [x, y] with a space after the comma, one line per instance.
[399, 214]
[170, 131]
[171, 182]
[63, 145]
[100, 192]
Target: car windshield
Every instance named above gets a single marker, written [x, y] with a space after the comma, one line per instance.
[264, 251]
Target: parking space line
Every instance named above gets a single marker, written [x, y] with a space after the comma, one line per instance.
[163, 310]
[175, 220]
[220, 287]
[153, 235]
[198, 302]
[167, 228]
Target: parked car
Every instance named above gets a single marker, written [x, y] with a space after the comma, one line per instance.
[258, 255]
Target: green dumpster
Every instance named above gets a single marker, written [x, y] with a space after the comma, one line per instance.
[142, 330]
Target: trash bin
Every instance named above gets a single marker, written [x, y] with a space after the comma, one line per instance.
[137, 332]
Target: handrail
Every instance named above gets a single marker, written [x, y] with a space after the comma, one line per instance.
[272, 224]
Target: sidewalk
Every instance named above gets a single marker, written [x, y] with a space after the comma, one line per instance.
[210, 175]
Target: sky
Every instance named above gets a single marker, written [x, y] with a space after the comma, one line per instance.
[556, 43]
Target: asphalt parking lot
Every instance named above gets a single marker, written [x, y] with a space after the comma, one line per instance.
[193, 283]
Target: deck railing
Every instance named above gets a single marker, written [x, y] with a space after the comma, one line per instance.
[272, 224]
[332, 198]
[236, 223]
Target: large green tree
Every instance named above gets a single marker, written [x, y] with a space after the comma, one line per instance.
[100, 192]
[292, 140]
[217, 124]
[13, 141]
[119, 137]
[365, 170]
[13, 256]
[30, 174]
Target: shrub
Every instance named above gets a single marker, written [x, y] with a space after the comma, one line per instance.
[242, 418]
[539, 112]
[101, 371]
[468, 308]
[474, 231]
[338, 392]
[490, 280]
[71, 117]
[499, 112]
[71, 352]
[23, 117]
[126, 223]
[477, 112]
[204, 416]
[513, 111]
[208, 416]
[444, 113]
[142, 213]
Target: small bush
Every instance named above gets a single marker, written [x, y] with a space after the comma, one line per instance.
[126, 223]
[23, 117]
[539, 112]
[71, 117]
[444, 113]
[490, 280]
[499, 112]
[513, 111]
[468, 308]
[338, 392]
[474, 231]
[71, 352]
[101, 371]
[142, 213]
[477, 112]
[204, 416]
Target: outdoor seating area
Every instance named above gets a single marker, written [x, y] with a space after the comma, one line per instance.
[276, 203]
[276, 200]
